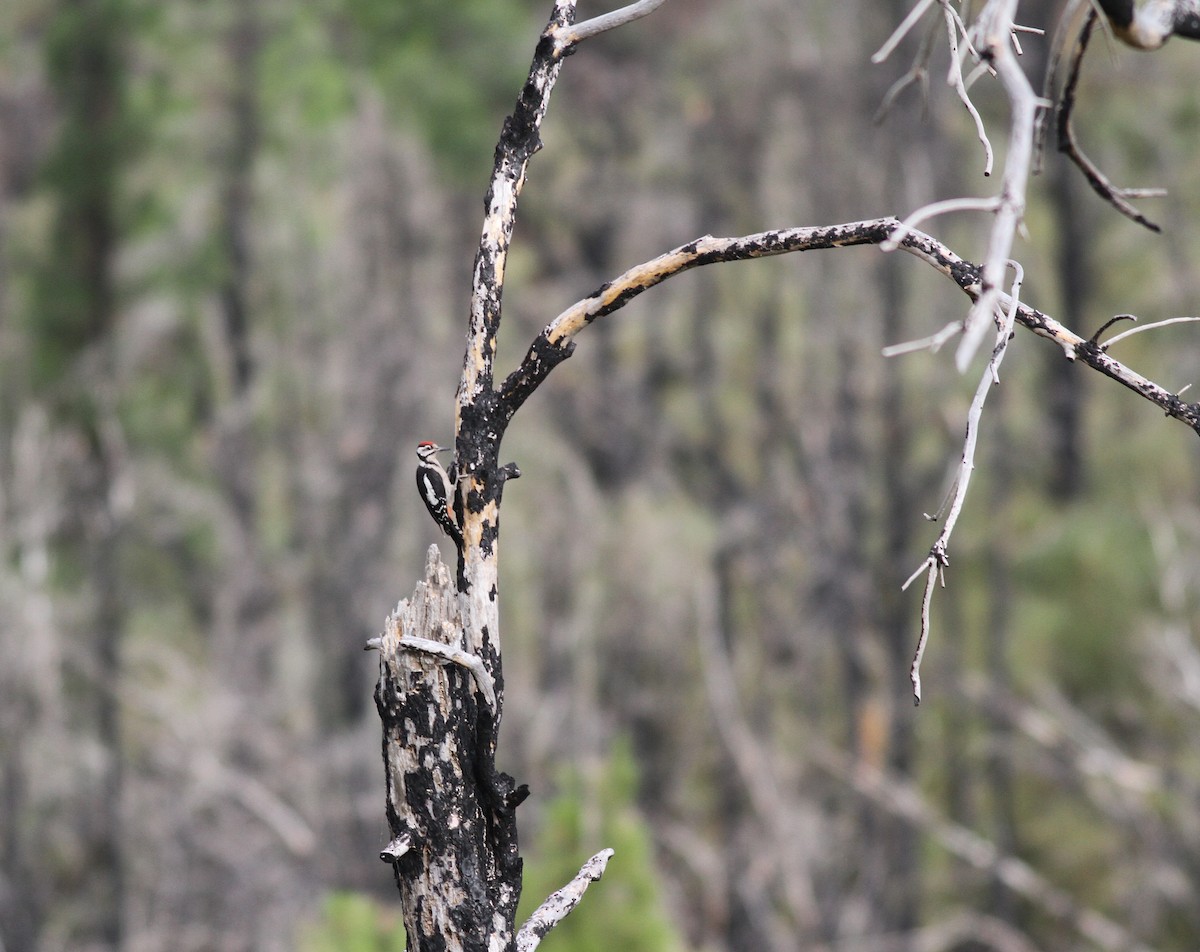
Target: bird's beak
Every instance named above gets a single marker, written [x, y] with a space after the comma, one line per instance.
[445, 449]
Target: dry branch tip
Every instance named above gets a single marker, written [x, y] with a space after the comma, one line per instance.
[560, 903]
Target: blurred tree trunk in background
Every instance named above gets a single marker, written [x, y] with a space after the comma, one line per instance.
[900, 505]
[999, 775]
[243, 597]
[1073, 209]
[237, 201]
[75, 369]
[1066, 389]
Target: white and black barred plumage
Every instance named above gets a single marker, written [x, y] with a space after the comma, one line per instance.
[1149, 25]
[436, 487]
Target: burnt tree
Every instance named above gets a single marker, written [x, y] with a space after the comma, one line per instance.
[452, 815]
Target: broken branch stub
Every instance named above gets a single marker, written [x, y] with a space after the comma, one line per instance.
[459, 875]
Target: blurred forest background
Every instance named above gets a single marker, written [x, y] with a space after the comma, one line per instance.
[235, 249]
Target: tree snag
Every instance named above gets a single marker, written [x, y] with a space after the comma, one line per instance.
[441, 691]
[454, 836]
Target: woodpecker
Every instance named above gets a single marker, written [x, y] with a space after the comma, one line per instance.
[1150, 25]
[437, 488]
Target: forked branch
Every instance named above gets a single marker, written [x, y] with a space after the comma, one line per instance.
[1068, 144]
[557, 339]
[936, 562]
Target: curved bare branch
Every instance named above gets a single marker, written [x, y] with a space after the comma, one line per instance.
[557, 340]
[561, 902]
[567, 37]
[1069, 144]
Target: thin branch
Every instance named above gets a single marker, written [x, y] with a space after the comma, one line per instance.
[556, 341]
[568, 36]
[933, 343]
[465, 659]
[995, 28]
[918, 74]
[1017, 30]
[948, 7]
[1147, 327]
[561, 902]
[901, 31]
[1069, 144]
[934, 567]
[937, 560]
[933, 210]
[919, 71]
[980, 70]
[955, 26]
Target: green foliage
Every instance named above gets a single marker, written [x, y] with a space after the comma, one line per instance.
[303, 72]
[1081, 595]
[162, 404]
[72, 294]
[623, 910]
[354, 923]
[453, 70]
[449, 71]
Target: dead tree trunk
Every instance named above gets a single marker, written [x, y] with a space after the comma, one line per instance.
[454, 846]
[440, 694]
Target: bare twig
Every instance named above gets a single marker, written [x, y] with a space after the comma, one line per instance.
[961, 27]
[933, 343]
[560, 903]
[933, 210]
[557, 339]
[1016, 34]
[919, 71]
[996, 51]
[901, 31]
[918, 74]
[568, 36]
[935, 563]
[994, 28]
[465, 659]
[955, 27]
[1069, 144]
[1147, 327]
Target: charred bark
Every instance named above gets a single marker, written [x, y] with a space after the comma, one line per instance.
[451, 814]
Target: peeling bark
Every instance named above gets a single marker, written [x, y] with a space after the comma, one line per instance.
[451, 815]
